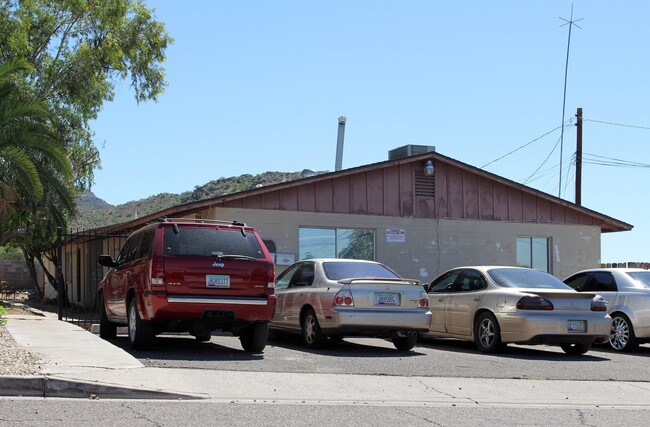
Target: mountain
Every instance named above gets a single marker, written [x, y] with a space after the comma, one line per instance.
[93, 212]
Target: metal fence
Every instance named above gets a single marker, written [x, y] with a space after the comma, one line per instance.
[78, 273]
[644, 265]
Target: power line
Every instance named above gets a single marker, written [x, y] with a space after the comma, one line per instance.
[544, 162]
[570, 22]
[523, 146]
[609, 161]
[616, 124]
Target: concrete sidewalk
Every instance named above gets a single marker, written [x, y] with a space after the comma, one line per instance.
[80, 364]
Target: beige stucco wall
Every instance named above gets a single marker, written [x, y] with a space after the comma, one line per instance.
[431, 246]
[462, 242]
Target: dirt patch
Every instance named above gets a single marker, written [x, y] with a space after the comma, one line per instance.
[16, 310]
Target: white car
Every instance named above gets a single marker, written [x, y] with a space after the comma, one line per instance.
[627, 291]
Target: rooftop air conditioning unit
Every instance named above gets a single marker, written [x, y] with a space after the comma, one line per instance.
[409, 150]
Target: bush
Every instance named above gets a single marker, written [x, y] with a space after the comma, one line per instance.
[2, 313]
[10, 254]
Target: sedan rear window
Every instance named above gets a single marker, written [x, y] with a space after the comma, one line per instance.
[205, 241]
[525, 278]
[350, 270]
[642, 277]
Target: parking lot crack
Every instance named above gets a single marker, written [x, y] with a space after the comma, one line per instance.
[141, 416]
[425, 419]
[428, 388]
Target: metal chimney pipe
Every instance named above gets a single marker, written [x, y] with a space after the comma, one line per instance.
[339, 144]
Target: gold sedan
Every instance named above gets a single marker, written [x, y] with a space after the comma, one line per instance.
[494, 306]
[328, 299]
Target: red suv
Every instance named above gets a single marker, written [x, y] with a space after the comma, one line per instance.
[187, 275]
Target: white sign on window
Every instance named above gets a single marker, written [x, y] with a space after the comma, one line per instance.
[397, 235]
[285, 259]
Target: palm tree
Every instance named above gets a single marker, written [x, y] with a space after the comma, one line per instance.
[31, 156]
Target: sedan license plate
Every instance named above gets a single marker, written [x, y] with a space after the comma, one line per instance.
[386, 299]
[217, 281]
[576, 326]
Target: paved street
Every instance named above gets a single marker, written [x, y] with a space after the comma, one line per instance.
[359, 382]
[369, 356]
[82, 413]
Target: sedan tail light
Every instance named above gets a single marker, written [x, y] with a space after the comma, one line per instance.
[424, 300]
[534, 303]
[344, 299]
[599, 304]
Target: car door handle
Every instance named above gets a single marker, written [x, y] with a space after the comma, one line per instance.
[477, 298]
[441, 299]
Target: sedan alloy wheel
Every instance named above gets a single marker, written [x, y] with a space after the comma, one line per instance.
[622, 336]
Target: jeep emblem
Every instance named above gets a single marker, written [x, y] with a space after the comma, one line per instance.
[218, 264]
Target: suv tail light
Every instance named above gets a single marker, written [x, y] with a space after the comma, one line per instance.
[599, 304]
[534, 303]
[157, 273]
[344, 299]
[270, 279]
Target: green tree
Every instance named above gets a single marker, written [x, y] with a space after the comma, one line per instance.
[32, 158]
[77, 50]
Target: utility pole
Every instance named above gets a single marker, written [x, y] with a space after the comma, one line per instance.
[579, 157]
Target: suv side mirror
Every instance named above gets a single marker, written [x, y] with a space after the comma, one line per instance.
[107, 261]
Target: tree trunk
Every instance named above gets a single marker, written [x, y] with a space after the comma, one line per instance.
[29, 261]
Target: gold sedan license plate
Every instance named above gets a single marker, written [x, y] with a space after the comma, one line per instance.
[217, 281]
[386, 299]
[576, 326]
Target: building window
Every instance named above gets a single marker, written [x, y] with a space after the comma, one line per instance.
[532, 252]
[337, 243]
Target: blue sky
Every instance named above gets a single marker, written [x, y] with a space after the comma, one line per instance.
[257, 86]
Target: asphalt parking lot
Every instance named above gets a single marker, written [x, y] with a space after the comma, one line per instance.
[372, 356]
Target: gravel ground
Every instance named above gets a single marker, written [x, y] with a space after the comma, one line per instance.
[15, 359]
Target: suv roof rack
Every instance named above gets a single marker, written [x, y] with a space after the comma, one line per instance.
[201, 220]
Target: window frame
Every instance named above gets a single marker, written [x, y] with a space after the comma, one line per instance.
[531, 253]
[336, 242]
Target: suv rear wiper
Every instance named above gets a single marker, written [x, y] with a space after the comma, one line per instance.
[221, 255]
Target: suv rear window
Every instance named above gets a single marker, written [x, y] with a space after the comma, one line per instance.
[205, 241]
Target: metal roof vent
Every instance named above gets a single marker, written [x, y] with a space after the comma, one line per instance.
[409, 150]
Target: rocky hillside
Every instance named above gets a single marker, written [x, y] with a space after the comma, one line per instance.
[94, 212]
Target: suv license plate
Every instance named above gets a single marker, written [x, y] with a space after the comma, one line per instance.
[386, 299]
[576, 326]
[217, 281]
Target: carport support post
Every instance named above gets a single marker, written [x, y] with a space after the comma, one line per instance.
[59, 275]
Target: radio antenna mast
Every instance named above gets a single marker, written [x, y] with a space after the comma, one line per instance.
[570, 22]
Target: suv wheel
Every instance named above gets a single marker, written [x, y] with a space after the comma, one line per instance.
[311, 333]
[107, 329]
[405, 343]
[253, 337]
[141, 332]
[621, 337]
[203, 337]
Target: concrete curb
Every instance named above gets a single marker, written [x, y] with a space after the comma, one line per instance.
[46, 386]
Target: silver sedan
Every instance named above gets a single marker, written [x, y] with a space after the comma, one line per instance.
[332, 298]
[493, 306]
[627, 291]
